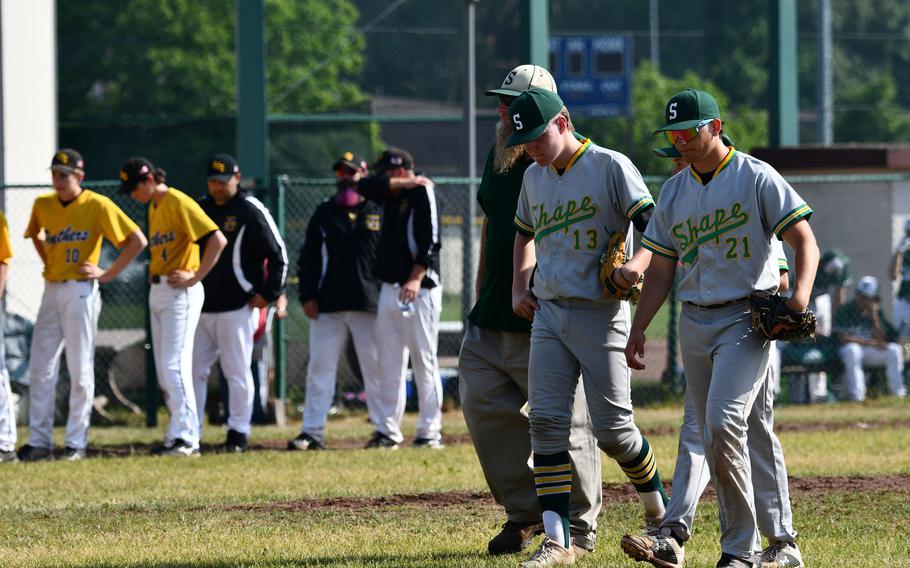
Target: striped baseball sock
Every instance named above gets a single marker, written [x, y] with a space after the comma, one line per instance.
[553, 480]
[642, 472]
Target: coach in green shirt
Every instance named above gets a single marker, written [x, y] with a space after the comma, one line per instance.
[493, 365]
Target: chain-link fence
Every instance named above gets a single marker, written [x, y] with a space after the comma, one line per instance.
[824, 370]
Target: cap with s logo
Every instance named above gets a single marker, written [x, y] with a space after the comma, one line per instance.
[525, 77]
[688, 108]
[66, 161]
[530, 114]
[222, 167]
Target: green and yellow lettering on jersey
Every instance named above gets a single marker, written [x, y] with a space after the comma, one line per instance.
[561, 217]
[175, 224]
[692, 232]
[6, 248]
[72, 234]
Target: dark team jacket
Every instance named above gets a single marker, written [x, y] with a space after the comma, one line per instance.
[253, 243]
[337, 261]
[410, 231]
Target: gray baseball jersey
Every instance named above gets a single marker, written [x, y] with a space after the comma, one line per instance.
[571, 217]
[722, 232]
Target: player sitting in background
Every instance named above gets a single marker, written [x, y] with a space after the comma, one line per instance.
[866, 337]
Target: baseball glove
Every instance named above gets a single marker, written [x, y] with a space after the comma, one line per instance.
[772, 319]
[611, 279]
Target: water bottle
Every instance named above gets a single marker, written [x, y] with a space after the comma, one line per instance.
[406, 308]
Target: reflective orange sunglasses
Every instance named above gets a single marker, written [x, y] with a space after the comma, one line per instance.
[686, 134]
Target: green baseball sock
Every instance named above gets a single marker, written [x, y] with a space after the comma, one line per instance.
[553, 481]
[644, 475]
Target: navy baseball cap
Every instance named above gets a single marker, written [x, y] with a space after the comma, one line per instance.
[393, 158]
[672, 152]
[530, 114]
[688, 108]
[222, 167]
[67, 161]
[133, 171]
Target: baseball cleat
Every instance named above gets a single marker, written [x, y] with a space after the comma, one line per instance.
[656, 549]
[236, 442]
[730, 561]
[514, 537]
[8, 456]
[178, 448]
[549, 553]
[73, 454]
[381, 441]
[305, 442]
[432, 443]
[781, 554]
[29, 453]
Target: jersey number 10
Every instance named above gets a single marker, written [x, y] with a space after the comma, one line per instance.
[72, 256]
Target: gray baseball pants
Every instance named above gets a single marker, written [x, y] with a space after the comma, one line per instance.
[493, 372]
[726, 365]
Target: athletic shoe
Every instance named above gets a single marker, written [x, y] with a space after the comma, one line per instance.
[549, 553]
[235, 442]
[72, 454]
[432, 443]
[178, 448]
[584, 543]
[29, 453]
[652, 524]
[656, 549]
[8, 456]
[781, 554]
[514, 537]
[730, 561]
[305, 442]
[381, 441]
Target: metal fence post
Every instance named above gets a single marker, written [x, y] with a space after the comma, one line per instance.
[281, 326]
[670, 378]
[152, 399]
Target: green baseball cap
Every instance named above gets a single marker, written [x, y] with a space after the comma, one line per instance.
[688, 108]
[530, 114]
[672, 152]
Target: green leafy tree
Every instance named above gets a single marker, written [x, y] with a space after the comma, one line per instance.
[175, 58]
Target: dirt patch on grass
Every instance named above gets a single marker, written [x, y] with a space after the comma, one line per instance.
[800, 488]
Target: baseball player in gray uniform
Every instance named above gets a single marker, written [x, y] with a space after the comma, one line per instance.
[572, 199]
[716, 219]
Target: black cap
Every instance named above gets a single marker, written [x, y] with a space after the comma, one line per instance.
[350, 160]
[393, 158]
[222, 167]
[67, 161]
[133, 171]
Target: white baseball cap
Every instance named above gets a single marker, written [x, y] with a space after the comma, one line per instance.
[523, 78]
[867, 286]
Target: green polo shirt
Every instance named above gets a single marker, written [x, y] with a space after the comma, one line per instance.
[498, 197]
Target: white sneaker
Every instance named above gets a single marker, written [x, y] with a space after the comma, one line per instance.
[781, 554]
[550, 553]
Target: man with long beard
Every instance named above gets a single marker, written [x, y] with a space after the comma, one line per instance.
[493, 365]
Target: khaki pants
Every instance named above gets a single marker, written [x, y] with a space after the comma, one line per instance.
[493, 370]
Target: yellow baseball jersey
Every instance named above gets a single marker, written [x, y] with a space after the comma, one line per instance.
[72, 234]
[175, 224]
[6, 248]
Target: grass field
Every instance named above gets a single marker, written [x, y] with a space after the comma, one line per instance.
[850, 469]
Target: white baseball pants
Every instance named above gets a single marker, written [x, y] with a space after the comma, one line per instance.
[226, 337]
[68, 317]
[396, 337]
[7, 414]
[856, 356]
[175, 315]
[328, 336]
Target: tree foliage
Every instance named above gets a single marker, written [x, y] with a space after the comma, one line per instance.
[175, 58]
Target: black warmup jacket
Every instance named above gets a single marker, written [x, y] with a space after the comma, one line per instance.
[337, 261]
[253, 243]
[410, 231]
